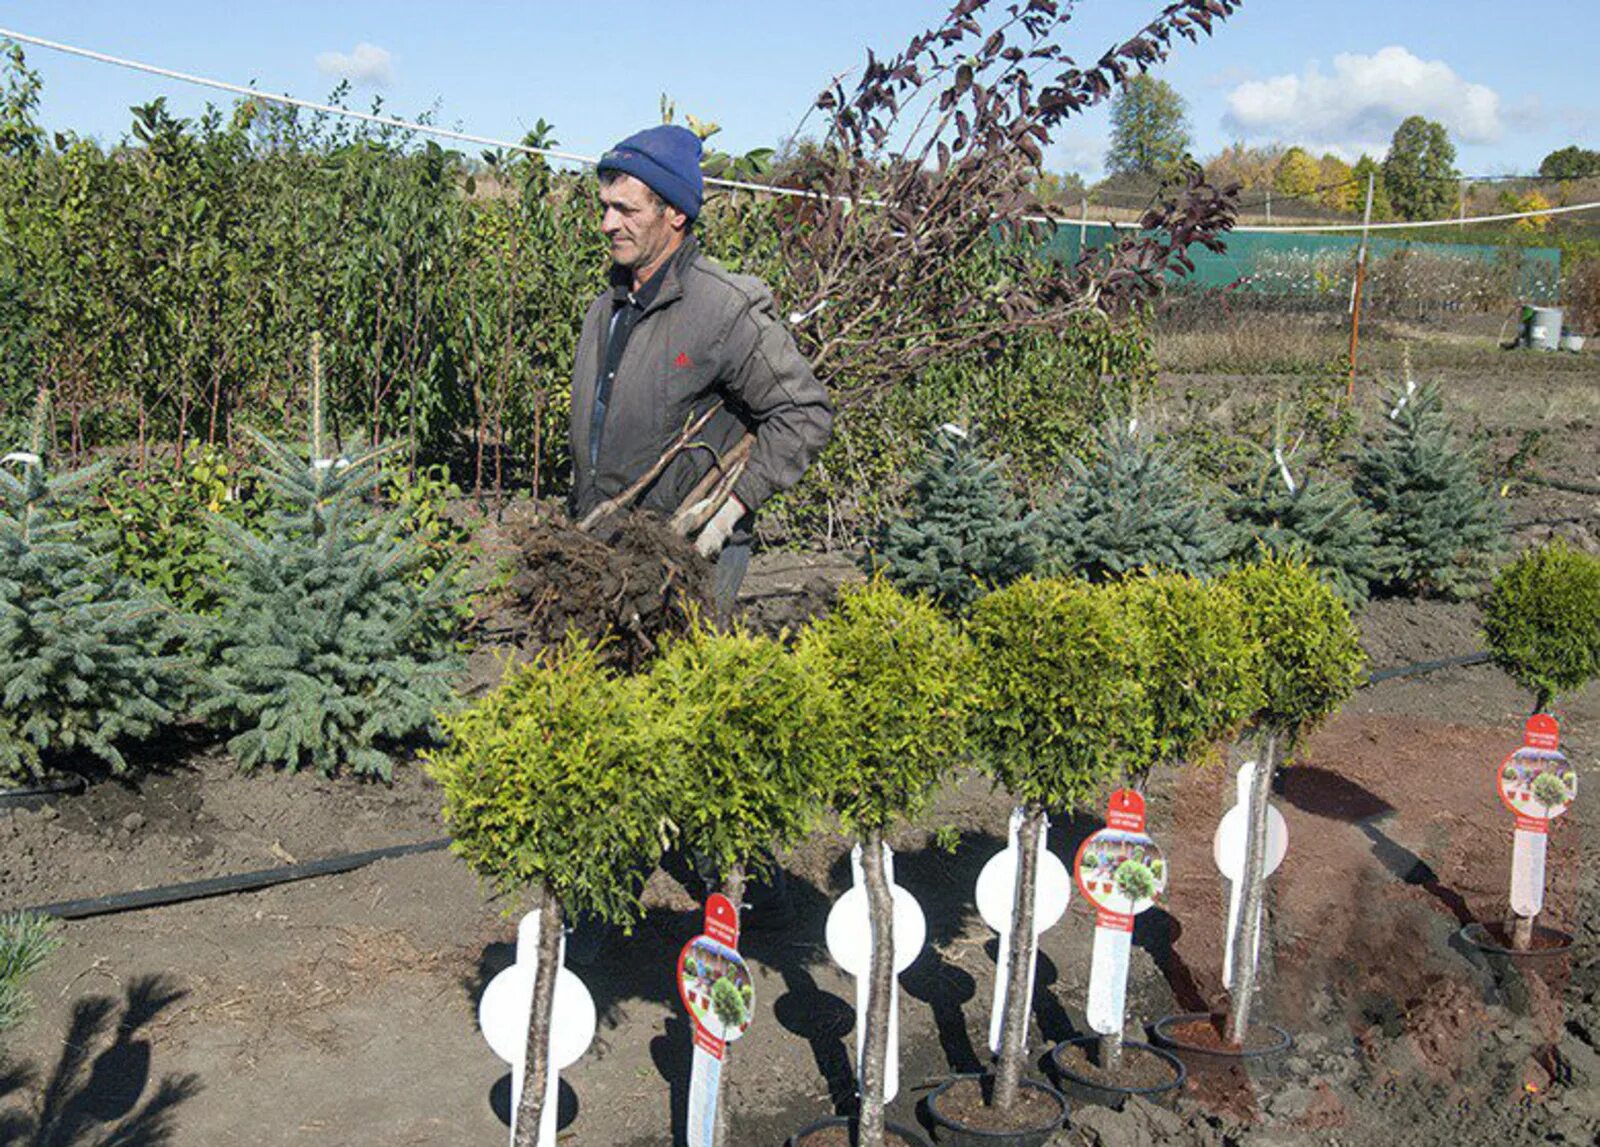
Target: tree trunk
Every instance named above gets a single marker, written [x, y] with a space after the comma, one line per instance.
[1014, 1028]
[880, 983]
[536, 1074]
[1109, 1050]
[1255, 862]
[733, 889]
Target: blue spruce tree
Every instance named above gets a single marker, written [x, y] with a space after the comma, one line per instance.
[328, 651]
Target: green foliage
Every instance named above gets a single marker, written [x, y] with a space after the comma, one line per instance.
[1549, 790]
[896, 677]
[1297, 173]
[1439, 524]
[325, 648]
[20, 134]
[83, 652]
[965, 532]
[547, 785]
[1060, 703]
[1419, 171]
[727, 1002]
[1320, 521]
[733, 714]
[1311, 651]
[1135, 880]
[1149, 129]
[1542, 620]
[1201, 670]
[1364, 167]
[26, 941]
[1132, 506]
[1570, 162]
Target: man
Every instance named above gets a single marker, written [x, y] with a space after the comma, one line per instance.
[674, 336]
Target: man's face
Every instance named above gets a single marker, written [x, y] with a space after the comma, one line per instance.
[640, 228]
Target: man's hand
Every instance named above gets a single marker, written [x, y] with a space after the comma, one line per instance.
[711, 540]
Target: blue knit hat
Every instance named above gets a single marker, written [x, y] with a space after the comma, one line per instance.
[665, 159]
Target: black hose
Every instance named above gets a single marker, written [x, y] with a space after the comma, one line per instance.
[227, 885]
[1421, 667]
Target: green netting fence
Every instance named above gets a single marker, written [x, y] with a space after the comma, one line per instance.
[1402, 274]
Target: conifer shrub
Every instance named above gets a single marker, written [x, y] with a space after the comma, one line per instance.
[1132, 506]
[964, 532]
[26, 941]
[328, 649]
[1317, 519]
[1440, 526]
[86, 661]
[1542, 620]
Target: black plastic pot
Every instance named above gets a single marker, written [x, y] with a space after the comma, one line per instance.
[1098, 1093]
[911, 1137]
[954, 1133]
[1478, 936]
[40, 793]
[1161, 1031]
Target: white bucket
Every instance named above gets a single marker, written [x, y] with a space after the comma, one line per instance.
[1572, 342]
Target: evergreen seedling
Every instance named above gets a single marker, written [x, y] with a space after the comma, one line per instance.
[1542, 619]
[1132, 506]
[327, 646]
[1439, 524]
[83, 651]
[1311, 660]
[1318, 519]
[549, 795]
[26, 940]
[965, 532]
[895, 674]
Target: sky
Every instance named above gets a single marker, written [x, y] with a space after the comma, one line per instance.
[1510, 84]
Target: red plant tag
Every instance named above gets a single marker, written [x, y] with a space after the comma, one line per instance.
[708, 1043]
[1542, 732]
[1116, 921]
[1126, 811]
[722, 920]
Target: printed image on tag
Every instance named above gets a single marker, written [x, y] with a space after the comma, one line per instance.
[1121, 872]
[715, 984]
[1538, 783]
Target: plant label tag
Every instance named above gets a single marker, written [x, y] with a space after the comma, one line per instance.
[715, 987]
[1229, 848]
[1122, 872]
[1527, 871]
[1536, 782]
[504, 1011]
[849, 937]
[996, 896]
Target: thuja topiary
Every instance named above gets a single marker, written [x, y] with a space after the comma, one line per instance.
[1132, 506]
[84, 661]
[327, 648]
[1439, 524]
[964, 532]
[1542, 619]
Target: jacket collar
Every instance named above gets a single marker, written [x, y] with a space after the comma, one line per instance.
[670, 288]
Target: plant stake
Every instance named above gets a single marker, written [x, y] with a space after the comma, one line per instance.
[1536, 784]
[1229, 849]
[503, 1015]
[1122, 872]
[849, 936]
[996, 895]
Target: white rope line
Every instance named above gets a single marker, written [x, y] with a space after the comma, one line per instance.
[734, 184]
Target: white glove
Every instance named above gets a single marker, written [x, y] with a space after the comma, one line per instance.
[711, 540]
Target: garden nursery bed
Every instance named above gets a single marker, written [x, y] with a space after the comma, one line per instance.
[342, 1009]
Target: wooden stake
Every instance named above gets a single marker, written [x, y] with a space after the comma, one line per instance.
[1361, 273]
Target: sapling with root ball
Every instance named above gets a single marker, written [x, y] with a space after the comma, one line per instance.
[732, 716]
[1059, 706]
[550, 797]
[1542, 621]
[1311, 661]
[891, 726]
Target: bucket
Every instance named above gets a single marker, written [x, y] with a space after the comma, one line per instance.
[1541, 327]
[1572, 341]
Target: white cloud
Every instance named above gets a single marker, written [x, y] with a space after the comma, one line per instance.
[368, 64]
[1359, 105]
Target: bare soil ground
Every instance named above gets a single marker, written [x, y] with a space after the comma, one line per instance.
[341, 1010]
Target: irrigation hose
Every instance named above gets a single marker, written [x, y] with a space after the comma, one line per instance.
[289, 873]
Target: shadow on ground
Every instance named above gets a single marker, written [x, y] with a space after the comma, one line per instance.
[104, 1098]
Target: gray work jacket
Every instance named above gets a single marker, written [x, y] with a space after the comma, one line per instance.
[709, 336]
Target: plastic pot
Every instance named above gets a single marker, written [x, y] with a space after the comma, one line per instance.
[1547, 941]
[950, 1131]
[1101, 1093]
[907, 1136]
[1161, 1030]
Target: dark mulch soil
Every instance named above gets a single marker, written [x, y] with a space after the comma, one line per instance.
[966, 1102]
[1140, 1069]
